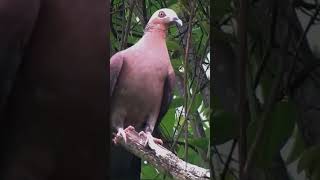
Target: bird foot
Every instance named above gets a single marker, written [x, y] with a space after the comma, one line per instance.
[150, 139]
[129, 128]
[122, 134]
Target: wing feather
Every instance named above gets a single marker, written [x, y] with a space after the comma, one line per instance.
[167, 94]
[165, 102]
[116, 63]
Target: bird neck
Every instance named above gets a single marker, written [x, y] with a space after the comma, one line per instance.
[156, 29]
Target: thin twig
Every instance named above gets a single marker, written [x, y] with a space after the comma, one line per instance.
[275, 89]
[144, 13]
[242, 31]
[266, 56]
[127, 29]
[300, 42]
[222, 161]
[304, 4]
[186, 93]
[226, 165]
[123, 24]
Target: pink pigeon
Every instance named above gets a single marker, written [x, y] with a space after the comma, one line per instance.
[142, 80]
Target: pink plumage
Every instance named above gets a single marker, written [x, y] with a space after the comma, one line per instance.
[142, 79]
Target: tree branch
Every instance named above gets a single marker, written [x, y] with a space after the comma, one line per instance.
[163, 159]
[306, 5]
[127, 27]
[272, 99]
[226, 166]
[242, 101]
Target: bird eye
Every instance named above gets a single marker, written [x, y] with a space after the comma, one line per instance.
[161, 14]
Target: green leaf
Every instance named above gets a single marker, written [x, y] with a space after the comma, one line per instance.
[193, 157]
[221, 8]
[206, 26]
[223, 36]
[225, 127]
[316, 172]
[176, 6]
[173, 46]
[201, 143]
[148, 172]
[168, 121]
[196, 103]
[229, 175]
[216, 102]
[171, 2]
[180, 151]
[298, 147]
[309, 158]
[206, 112]
[279, 127]
[196, 34]
[177, 102]
[115, 43]
[176, 63]
[132, 39]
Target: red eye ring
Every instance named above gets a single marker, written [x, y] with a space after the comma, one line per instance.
[161, 14]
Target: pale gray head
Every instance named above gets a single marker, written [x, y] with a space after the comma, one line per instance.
[165, 16]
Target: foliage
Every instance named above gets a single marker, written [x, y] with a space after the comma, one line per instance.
[123, 12]
[272, 111]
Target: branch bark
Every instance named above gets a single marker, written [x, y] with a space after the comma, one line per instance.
[163, 159]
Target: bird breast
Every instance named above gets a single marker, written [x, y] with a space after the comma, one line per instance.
[144, 77]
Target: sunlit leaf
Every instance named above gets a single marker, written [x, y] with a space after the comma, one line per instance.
[201, 143]
[196, 103]
[177, 102]
[148, 172]
[168, 121]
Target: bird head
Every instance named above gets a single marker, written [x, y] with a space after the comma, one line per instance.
[164, 17]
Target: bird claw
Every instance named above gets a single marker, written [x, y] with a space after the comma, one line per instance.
[129, 128]
[142, 133]
[122, 133]
[150, 138]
